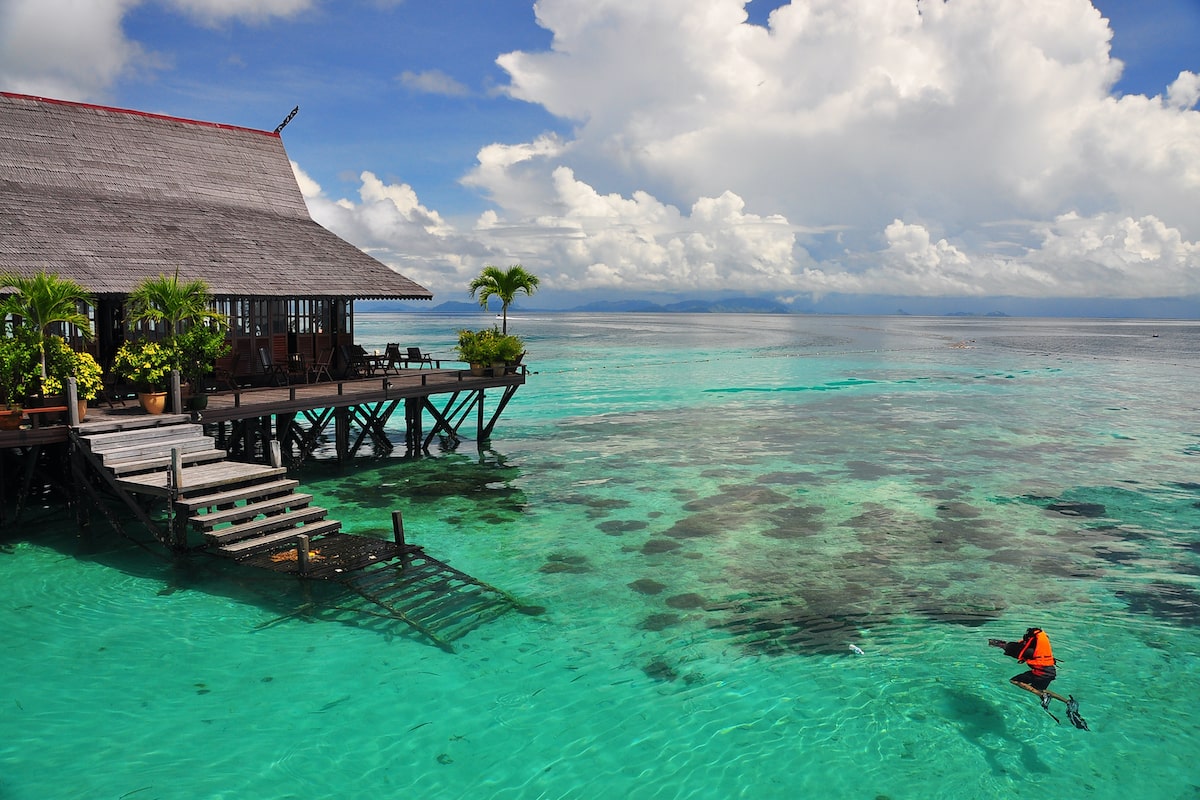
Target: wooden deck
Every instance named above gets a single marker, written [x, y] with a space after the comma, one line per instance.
[248, 403]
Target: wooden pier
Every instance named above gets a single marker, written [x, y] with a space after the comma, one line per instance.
[174, 474]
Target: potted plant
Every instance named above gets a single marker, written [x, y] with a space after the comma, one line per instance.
[194, 330]
[509, 350]
[199, 346]
[474, 348]
[147, 365]
[19, 369]
[62, 362]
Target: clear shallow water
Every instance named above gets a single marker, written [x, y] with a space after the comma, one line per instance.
[711, 509]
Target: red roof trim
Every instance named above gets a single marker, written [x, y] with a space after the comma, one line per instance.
[131, 112]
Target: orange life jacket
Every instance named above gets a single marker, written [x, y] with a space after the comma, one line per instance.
[1036, 651]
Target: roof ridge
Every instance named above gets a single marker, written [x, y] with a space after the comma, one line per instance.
[135, 113]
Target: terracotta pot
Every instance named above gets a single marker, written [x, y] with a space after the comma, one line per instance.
[11, 420]
[153, 402]
[82, 409]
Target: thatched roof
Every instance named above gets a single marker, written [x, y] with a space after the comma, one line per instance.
[108, 196]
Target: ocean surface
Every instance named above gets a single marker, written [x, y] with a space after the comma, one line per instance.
[711, 510]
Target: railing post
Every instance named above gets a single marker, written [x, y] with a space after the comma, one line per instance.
[276, 454]
[72, 402]
[176, 393]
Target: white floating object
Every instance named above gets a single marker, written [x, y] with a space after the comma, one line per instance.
[857, 650]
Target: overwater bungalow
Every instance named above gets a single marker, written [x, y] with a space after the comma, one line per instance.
[108, 197]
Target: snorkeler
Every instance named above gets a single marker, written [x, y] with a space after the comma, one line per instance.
[1034, 651]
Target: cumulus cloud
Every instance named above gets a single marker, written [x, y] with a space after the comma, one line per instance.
[886, 121]
[77, 49]
[66, 49]
[1184, 91]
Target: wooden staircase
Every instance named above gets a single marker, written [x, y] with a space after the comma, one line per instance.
[239, 509]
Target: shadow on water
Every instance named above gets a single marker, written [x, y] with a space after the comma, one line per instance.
[982, 724]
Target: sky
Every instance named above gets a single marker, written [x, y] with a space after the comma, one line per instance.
[796, 150]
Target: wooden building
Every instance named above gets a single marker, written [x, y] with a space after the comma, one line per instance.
[109, 196]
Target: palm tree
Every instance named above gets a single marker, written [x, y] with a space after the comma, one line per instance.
[504, 284]
[45, 300]
[171, 302]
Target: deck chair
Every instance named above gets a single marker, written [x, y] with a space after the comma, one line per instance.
[351, 366]
[321, 367]
[273, 370]
[227, 376]
[415, 356]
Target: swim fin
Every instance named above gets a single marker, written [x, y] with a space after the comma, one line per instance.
[1073, 714]
[1046, 708]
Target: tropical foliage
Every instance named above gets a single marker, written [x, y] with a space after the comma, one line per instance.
[487, 346]
[45, 300]
[503, 284]
[19, 366]
[194, 332]
[145, 364]
[62, 362]
[172, 303]
[199, 347]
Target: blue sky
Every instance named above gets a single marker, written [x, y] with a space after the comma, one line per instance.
[620, 148]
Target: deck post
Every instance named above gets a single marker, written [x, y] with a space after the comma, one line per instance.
[398, 528]
[176, 393]
[302, 553]
[479, 421]
[174, 482]
[72, 402]
[275, 453]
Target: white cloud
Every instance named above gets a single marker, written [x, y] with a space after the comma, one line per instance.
[433, 81]
[77, 49]
[66, 49]
[1184, 91]
[213, 12]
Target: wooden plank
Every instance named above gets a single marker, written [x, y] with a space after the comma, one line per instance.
[261, 527]
[99, 442]
[197, 502]
[202, 477]
[125, 468]
[247, 547]
[292, 501]
[142, 451]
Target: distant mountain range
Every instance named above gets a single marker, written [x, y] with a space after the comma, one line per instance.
[867, 305]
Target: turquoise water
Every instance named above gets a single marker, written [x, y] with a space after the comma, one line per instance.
[711, 509]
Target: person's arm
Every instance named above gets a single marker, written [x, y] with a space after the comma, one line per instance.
[1011, 649]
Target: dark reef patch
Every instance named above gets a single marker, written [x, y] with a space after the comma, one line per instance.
[656, 546]
[563, 562]
[1179, 605]
[646, 586]
[617, 527]
[685, 601]
[659, 622]
[660, 670]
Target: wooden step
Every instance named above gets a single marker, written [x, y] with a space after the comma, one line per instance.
[101, 442]
[256, 490]
[257, 527]
[292, 502]
[203, 478]
[140, 422]
[125, 468]
[140, 451]
[277, 540]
